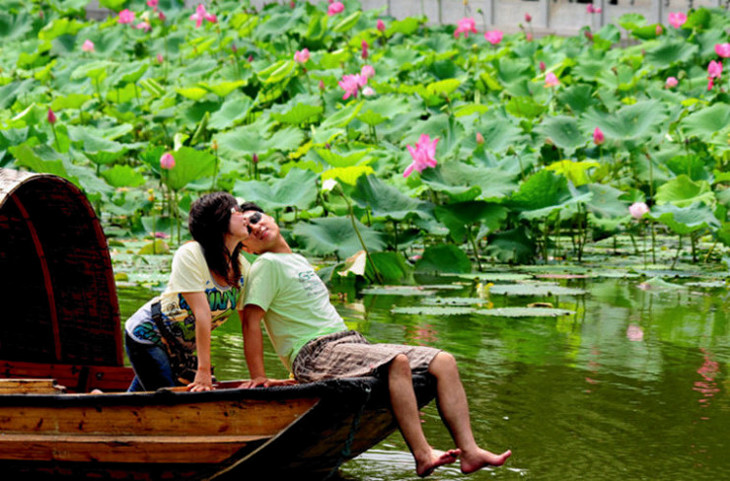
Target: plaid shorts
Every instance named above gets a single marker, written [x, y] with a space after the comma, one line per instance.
[349, 354]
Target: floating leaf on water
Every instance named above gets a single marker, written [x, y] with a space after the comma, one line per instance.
[707, 284]
[454, 301]
[443, 287]
[433, 310]
[523, 312]
[668, 273]
[562, 276]
[398, 291]
[614, 274]
[497, 276]
[535, 290]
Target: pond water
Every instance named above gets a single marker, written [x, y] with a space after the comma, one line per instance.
[631, 383]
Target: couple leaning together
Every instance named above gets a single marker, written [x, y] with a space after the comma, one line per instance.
[211, 278]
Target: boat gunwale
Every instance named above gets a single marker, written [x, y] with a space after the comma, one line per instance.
[343, 388]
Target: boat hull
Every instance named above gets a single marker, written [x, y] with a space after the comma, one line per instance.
[227, 434]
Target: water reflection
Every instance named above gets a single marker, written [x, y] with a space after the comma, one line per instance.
[630, 386]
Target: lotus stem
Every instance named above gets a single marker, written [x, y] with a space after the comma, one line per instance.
[475, 247]
[679, 250]
[359, 237]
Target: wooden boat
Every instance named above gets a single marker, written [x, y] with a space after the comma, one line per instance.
[60, 339]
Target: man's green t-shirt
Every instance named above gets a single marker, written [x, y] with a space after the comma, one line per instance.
[296, 302]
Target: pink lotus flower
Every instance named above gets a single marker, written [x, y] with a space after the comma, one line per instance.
[126, 16]
[710, 83]
[423, 154]
[598, 137]
[335, 8]
[367, 71]
[714, 70]
[677, 19]
[352, 84]
[638, 209]
[465, 26]
[88, 46]
[160, 58]
[51, 117]
[162, 16]
[144, 26]
[493, 36]
[380, 26]
[153, 4]
[659, 30]
[528, 18]
[368, 92]
[671, 82]
[591, 9]
[202, 14]
[551, 80]
[301, 56]
[167, 161]
[364, 53]
[723, 50]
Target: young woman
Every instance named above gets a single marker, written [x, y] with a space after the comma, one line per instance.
[204, 288]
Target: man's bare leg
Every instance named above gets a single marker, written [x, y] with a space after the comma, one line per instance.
[405, 409]
[454, 410]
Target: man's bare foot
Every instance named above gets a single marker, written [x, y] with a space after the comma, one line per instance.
[481, 458]
[437, 458]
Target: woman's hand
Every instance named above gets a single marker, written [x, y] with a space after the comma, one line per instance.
[203, 381]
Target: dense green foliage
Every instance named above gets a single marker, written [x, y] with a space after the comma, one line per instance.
[519, 159]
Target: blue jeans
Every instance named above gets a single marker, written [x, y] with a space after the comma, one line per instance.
[151, 366]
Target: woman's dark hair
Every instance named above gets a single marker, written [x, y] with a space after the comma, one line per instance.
[209, 221]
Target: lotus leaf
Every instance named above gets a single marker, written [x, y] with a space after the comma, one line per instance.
[706, 122]
[298, 189]
[542, 194]
[454, 301]
[444, 258]
[385, 200]
[459, 217]
[524, 312]
[123, 176]
[682, 192]
[537, 290]
[463, 182]
[398, 291]
[513, 245]
[335, 235]
[433, 310]
[685, 220]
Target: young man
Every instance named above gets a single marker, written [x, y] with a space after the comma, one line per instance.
[314, 343]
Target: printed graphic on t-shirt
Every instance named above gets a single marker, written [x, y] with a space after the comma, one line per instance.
[311, 282]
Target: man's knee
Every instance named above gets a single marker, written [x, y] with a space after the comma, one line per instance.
[400, 365]
[443, 363]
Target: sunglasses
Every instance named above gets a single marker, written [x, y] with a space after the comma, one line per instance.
[254, 218]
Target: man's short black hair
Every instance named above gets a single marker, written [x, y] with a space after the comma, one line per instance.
[251, 206]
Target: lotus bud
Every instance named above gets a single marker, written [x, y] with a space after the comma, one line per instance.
[528, 18]
[480, 138]
[51, 117]
[167, 161]
[542, 66]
